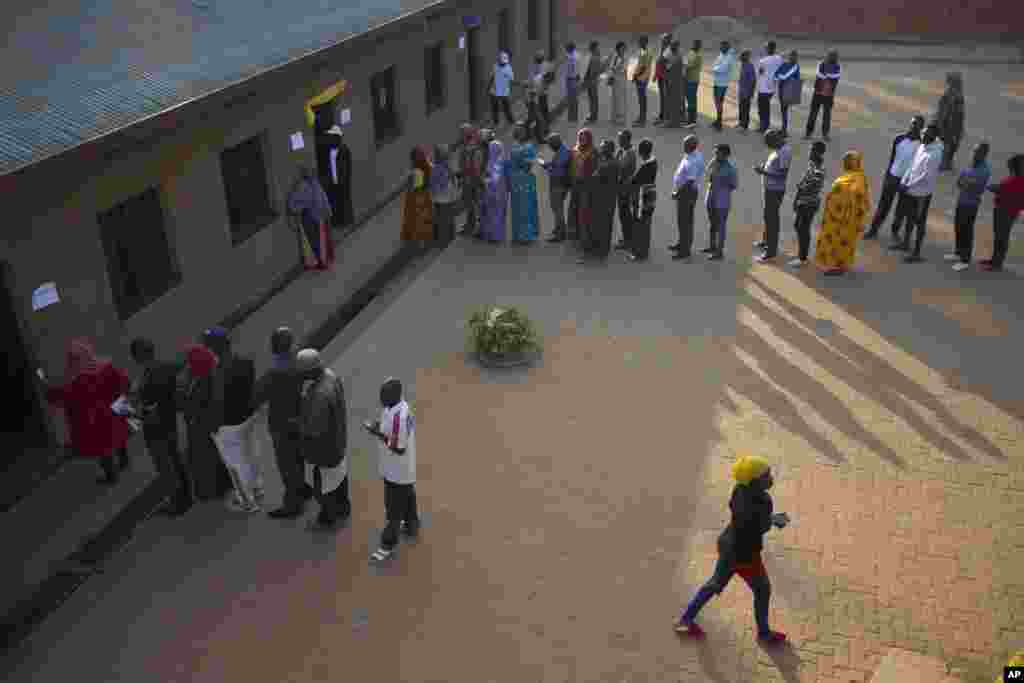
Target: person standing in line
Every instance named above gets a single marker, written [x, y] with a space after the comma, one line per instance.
[238, 375]
[605, 197]
[807, 202]
[495, 195]
[745, 90]
[572, 82]
[645, 179]
[903, 149]
[950, 118]
[775, 171]
[767, 85]
[595, 67]
[660, 67]
[694, 65]
[1009, 202]
[740, 546]
[334, 163]
[919, 185]
[471, 165]
[846, 209]
[535, 122]
[582, 169]
[91, 385]
[674, 87]
[723, 180]
[972, 184]
[825, 83]
[641, 76]
[559, 183]
[628, 196]
[500, 88]
[788, 77]
[522, 188]
[418, 205]
[281, 389]
[204, 415]
[323, 430]
[721, 72]
[616, 76]
[396, 430]
[310, 205]
[685, 190]
[545, 79]
[156, 397]
[444, 192]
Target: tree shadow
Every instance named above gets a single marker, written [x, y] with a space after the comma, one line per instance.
[872, 376]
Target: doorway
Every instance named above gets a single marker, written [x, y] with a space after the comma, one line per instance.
[552, 29]
[475, 71]
[23, 424]
[333, 163]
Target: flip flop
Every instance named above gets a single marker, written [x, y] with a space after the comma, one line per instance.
[381, 554]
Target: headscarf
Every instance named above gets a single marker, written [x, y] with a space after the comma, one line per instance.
[201, 360]
[583, 153]
[748, 468]
[308, 195]
[307, 360]
[850, 198]
[495, 160]
[440, 174]
[81, 357]
[421, 162]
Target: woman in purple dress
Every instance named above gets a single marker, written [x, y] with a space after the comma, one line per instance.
[496, 195]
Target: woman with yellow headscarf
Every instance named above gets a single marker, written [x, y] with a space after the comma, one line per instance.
[739, 548]
[846, 210]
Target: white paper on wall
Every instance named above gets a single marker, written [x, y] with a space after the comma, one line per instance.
[45, 295]
[346, 117]
[297, 142]
[462, 42]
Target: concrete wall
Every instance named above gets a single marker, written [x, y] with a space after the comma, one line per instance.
[986, 20]
[52, 234]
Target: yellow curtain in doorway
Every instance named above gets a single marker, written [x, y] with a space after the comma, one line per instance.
[323, 98]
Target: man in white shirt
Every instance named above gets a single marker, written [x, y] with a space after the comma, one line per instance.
[767, 85]
[501, 88]
[685, 189]
[903, 149]
[396, 430]
[918, 184]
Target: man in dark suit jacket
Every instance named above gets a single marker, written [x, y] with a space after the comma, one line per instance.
[155, 400]
[281, 388]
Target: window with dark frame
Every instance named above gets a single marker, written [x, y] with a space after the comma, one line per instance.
[385, 110]
[533, 19]
[246, 189]
[433, 77]
[140, 262]
[504, 32]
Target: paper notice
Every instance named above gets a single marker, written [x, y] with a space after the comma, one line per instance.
[45, 295]
[297, 142]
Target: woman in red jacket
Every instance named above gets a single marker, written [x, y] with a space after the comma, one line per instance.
[90, 386]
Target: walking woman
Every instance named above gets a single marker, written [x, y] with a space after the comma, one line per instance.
[204, 415]
[495, 195]
[523, 187]
[582, 167]
[739, 548]
[616, 75]
[90, 386]
[950, 117]
[309, 203]
[846, 210]
[418, 205]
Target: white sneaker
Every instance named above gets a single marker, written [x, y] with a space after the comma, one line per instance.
[961, 266]
[951, 257]
[796, 263]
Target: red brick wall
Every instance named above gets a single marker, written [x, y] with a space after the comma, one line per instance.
[927, 18]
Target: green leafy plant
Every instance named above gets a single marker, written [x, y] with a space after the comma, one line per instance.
[501, 329]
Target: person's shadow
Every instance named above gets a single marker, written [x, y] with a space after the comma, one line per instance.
[785, 659]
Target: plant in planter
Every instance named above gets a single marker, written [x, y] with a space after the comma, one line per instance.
[502, 336]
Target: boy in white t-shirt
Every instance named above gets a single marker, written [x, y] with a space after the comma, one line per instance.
[396, 430]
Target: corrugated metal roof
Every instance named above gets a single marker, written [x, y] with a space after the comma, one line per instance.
[73, 74]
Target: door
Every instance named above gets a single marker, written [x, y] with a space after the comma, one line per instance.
[552, 28]
[475, 73]
[23, 424]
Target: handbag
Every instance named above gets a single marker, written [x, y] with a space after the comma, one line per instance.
[791, 90]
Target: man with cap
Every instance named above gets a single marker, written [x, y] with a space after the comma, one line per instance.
[685, 190]
[280, 388]
[334, 164]
[739, 548]
[323, 434]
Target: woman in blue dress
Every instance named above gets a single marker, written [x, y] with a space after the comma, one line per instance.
[495, 195]
[523, 186]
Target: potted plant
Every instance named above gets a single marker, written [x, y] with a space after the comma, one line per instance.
[502, 336]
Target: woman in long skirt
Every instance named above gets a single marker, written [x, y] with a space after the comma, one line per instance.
[309, 203]
[617, 80]
[673, 85]
[418, 205]
[581, 168]
[495, 195]
[523, 187]
[846, 209]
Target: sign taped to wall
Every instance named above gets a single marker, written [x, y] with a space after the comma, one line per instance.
[297, 141]
[45, 295]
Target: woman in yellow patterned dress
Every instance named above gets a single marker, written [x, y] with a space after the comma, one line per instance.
[846, 209]
[418, 205]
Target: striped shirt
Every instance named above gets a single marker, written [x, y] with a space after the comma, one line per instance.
[808, 190]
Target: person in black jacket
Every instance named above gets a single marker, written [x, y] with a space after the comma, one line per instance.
[645, 181]
[238, 377]
[903, 148]
[155, 398]
[281, 387]
[739, 548]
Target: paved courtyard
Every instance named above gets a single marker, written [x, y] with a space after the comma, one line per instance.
[572, 508]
